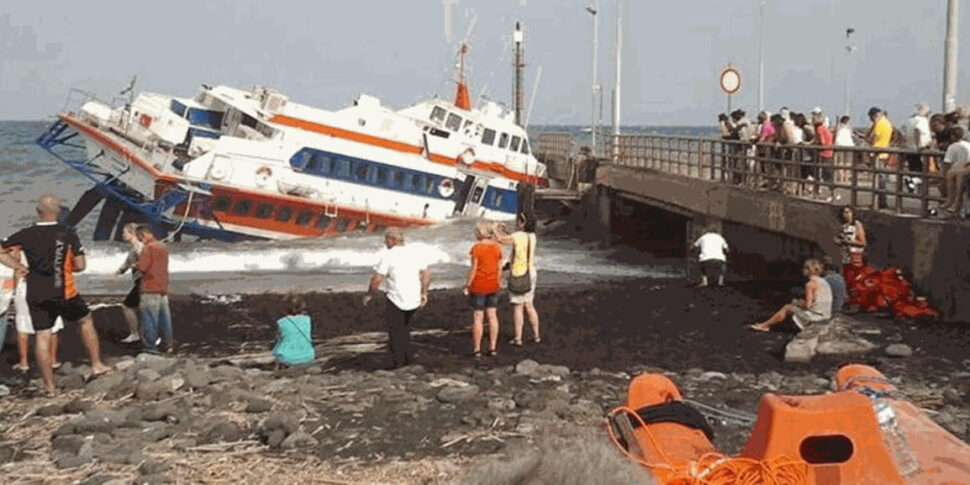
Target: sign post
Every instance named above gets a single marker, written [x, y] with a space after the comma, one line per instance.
[730, 82]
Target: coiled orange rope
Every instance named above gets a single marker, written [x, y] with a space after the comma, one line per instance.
[715, 468]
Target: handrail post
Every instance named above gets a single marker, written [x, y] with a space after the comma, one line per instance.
[854, 179]
[899, 183]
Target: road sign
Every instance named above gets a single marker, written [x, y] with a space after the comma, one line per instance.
[730, 80]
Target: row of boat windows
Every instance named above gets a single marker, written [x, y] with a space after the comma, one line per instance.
[284, 214]
[331, 165]
[453, 122]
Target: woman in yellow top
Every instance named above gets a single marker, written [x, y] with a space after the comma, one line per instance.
[523, 244]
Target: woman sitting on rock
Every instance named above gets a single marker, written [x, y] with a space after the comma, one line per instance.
[294, 346]
[816, 307]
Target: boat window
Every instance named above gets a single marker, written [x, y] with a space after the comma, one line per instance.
[342, 224]
[205, 117]
[300, 161]
[454, 122]
[264, 210]
[439, 133]
[398, 178]
[477, 196]
[430, 185]
[381, 175]
[241, 208]
[514, 146]
[284, 214]
[323, 222]
[438, 114]
[525, 146]
[221, 204]
[343, 168]
[265, 130]
[488, 137]
[248, 121]
[320, 163]
[360, 170]
[417, 181]
[503, 141]
[303, 218]
[177, 108]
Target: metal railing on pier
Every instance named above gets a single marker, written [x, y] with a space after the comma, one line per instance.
[906, 182]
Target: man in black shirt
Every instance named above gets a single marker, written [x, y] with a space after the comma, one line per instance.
[53, 254]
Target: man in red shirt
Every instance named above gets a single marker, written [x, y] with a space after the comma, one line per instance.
[155, 314]
[823, 137]
[483, 286]
[54, 253]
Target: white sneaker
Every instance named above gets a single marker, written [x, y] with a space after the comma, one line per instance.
[130, 339]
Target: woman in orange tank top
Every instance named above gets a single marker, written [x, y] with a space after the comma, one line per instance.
[483, 287]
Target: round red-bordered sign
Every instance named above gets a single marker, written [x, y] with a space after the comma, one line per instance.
[730, 80]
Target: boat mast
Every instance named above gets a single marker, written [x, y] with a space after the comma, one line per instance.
[461, 95]
[518, 102]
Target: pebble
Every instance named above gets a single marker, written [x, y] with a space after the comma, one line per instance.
[299, 439]
[501, 404]
[259, 406]
[148, 375]
[453, 394]
[899, 350]
[104, 383]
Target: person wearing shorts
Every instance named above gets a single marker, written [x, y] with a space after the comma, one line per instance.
[54, 253]
[24, 325]
[522, 260]
[713, 256]
[483, 286]
[129, 307]
[816, 307]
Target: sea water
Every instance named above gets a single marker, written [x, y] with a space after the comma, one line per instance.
[327, 264]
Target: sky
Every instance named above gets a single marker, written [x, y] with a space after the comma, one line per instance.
[325, 53]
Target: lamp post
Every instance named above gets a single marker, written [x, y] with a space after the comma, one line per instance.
[618, 46]
[592, 114]
[761, 59]
[849, 49]
[950, 57]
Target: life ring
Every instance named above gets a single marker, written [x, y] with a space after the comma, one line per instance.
[446, 188]
[219, 169]
[467, 157]
[263, 174]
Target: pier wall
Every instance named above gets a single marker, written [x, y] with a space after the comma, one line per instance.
[770, 234]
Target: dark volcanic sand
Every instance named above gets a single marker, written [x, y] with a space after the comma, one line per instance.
[615, 326]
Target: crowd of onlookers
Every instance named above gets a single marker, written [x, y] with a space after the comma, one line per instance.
[784, 150]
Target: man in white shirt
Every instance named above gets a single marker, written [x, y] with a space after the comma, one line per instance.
[957, 163]
[918, 137]
[403, 275]
[713, 256]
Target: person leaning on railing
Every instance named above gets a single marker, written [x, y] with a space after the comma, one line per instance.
[957, 163]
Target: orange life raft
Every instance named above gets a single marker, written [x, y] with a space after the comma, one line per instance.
[831, 439]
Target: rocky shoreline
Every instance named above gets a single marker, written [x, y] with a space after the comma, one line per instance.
[216, 413]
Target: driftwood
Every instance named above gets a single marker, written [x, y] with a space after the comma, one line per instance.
[337, 348]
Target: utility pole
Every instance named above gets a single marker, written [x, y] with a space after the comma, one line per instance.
[849, 49]
[592, 114]
[517, 89]
[618, 46]
[950, 57]
[761, 59]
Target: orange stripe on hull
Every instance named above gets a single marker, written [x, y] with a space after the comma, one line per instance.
[399, 146]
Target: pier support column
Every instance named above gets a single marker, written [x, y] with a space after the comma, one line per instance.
[604, 213]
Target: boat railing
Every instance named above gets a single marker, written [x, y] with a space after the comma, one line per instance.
[902, 181]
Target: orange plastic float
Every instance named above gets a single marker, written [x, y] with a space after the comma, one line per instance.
[860, 435]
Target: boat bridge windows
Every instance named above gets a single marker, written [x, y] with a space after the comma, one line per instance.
[319, 163]
[197, 116]
[503, 140]
[488, 138]
[453, 123]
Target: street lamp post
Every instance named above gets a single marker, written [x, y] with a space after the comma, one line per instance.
[849, 49]
[761, 59]
[950, 57]
[592, 114]
[618, 47]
